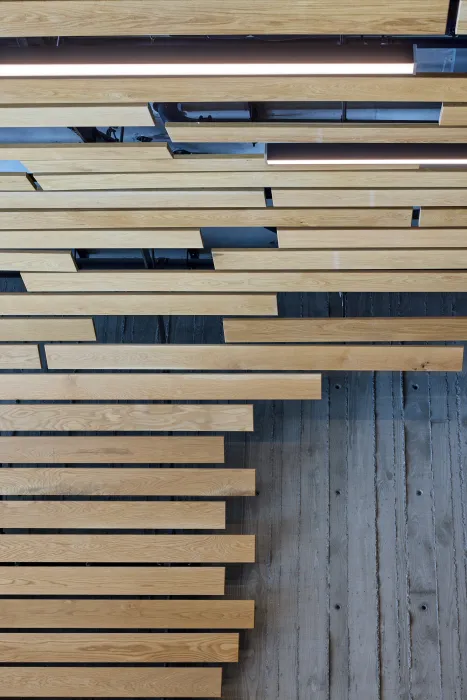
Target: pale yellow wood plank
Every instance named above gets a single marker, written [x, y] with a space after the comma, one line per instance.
[118, 648]
[368, 197]
[51, 261]
[127, 549]
[372, 238]
[116, 238]
[163, 515]
[171, 387]
[115, 614]
[21, 682]
[40, 329]
[110, 450]
[120, 580]
[453, 115]
[443, 217]
[116, 481]
[132, 417]
[462, 18]
[137, 304]
[71, 115]
[85, 151]
[19, 356]
[14, 182]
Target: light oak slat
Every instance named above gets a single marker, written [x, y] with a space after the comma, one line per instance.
[37, 329]
[118, 648]
[453, 115]
[72, 115]
[133, 238]
[85, 151]
[98, 481]
[13, 261]
[129, 417]
[372, 238]
[461, 27]
[368, 198]
[171, 387]
[131, 199]
[127, 549]
[199, 218]
[443, 217]
[127, 614]
[137, 304]
[110, 450]
[389, 259]
[14, 182]
[344, 330]
[119, 580]
[164, 515]
[21, 682]
[19, 356]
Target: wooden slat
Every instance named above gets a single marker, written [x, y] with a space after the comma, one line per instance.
[171, 387]
[453, 115]
[128, 548]
[199, 218]
[110, 450]
[14, 182]
[61, 152]
[137, 304]
[13, 261]
[123, 614]
[142, 238]
[163, 515]
[368, 197]
[390, 259]
[372, 238]
[72, 115]
[344, 330]
[99, 481]
[120, 580]
[443, 217]
[117, 648]
[130, 417]
[22, 682]
[19, 356]
[462, 18]
[37, 329]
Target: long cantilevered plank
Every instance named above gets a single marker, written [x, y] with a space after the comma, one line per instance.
[127, 549]
[75, 682]
[435, 217]
[33, 260]
[15, 182]
[71, 115]
[111, 450]
[61, 152]
[238, 357]
[117, 481]
[171, 387]
[120, 580]
[116, 648]
[129, 417]
[164, 515]
[40, 329]
[19, 356]
[339, 239]
[115, 238]
[138, 304]
[367, 197]
[345, 330]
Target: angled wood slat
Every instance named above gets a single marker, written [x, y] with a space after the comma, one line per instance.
[119, 580]
[345, 330]
[110, 450]
[37, 329]
[22, 682]
[127, 614]
[14, 182]
[372, 238]
[137, 304]
[453, 115]
[72, 115]
[162, 515]
[130, 417]
[98, 481]
[117, 648]
[61, 152]
[13, 261]
[462, 18]
[443, 217]
[127, 549]
[368, 198]
[133, 238]
[19, 356]
[171, 387]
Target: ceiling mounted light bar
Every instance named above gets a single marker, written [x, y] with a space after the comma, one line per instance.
[365, 154]
[201, 57]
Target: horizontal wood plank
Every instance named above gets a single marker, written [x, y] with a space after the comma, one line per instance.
[116, 238]
[37, 329]
[414, 237]
[15, 182]
[111, 450]
[51, 261]
[453, 115]
[101, 151]
[368, 197]
[443, 217]
[118, 580]
[19, 356]
[71, 115]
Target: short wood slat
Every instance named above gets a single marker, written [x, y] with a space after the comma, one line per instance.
[70, 115]
[368, 197]
[453, 115]
[53, 261]
[60, 152]
[19, 356]
[40, 329]
[15, 182]
[436, 218]
[116, 238]
[372, 238]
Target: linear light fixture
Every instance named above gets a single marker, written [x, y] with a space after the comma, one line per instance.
[198, 57]
[365, 154]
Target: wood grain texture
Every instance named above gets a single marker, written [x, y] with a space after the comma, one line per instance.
[127, 614]
[53, 261]
[462, 18]
[71, 115]
[239, 357]
[119, 648]
[19, 357]
[132, 238]
[368, 198]
[115, 481]
[160, 515]
[72, 682]
[126, 417]
[102, 151]
[453, 115]
[345, 330]
[127, 549]
[119, 580]
[14, 182]
[158, 387]
[137, 304]
[37, 329]
[372, 238]
[443, 217]
[110, 450]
